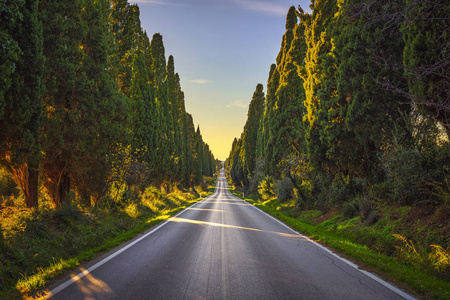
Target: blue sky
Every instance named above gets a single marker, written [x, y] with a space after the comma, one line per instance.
[222, 50]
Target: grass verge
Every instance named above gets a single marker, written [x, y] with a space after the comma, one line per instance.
[423, 283]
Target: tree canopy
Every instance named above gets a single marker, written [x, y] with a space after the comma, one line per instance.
[88, 101]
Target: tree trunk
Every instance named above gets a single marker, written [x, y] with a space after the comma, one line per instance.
[27, 180]
[57, 182]
[32, 198]
[64, 187]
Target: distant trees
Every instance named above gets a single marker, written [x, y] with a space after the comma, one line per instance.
[355, 87]
[88, 100]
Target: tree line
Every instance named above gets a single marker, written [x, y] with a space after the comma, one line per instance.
[88, 101]
[357, 103]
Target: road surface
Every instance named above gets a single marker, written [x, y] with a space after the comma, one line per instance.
[222, 248]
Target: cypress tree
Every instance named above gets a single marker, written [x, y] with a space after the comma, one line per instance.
[21, 103]
[263, 130]
[173, 94]
[63, 32]
[128, 35]
[101, 112]
[165, 142]
[144, 122]
[287, 121]
[315, 75]
[249, 136]
[426, 34]
[191, 161]
[11, 15]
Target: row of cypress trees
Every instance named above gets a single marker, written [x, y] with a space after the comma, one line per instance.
[88, 100]
[359, 88]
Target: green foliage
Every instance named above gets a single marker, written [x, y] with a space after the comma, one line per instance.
[265, 188]
[21, 103]
[7, 186]
[283, 189]
[249, 137]
[345, 117]
[409, 171]
[425, 55]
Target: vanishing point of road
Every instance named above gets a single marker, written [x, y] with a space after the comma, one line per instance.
[222, 248]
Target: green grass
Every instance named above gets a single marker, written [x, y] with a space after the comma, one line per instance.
[328, 233]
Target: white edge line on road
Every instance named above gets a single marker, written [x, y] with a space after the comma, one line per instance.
[372, 276]
[80, 275]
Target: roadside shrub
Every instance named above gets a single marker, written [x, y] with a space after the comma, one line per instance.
[66, 214]
[284, 189]
[265, 188]
[7, 186]
[409, 172]
[336, 190]
[350, 209]
[360, 207]
[437, 258]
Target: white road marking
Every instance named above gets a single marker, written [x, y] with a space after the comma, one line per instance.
[372, 276]
[80, 275]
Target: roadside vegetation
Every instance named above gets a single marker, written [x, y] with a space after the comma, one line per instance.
[38, 246]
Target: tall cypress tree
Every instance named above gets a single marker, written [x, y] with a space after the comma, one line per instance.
[101, 109]
[11, 15]
[426, 34]
[20, 124]
[165, 143]
[263, 130]
[287, 122]
[173, 94]
[250, 133]
[192, 162]
[315, 74]
[63, 32]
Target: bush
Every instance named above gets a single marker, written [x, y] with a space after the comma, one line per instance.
[336, 190]
[410, 171]
[360, 207]
[284, 189]
[265, 188]
[350, 209]
[7, 186]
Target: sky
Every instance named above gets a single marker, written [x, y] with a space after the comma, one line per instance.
[222, 49]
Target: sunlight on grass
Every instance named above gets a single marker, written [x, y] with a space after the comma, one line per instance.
[329, 233]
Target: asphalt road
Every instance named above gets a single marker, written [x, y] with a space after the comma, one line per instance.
[222, 248]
